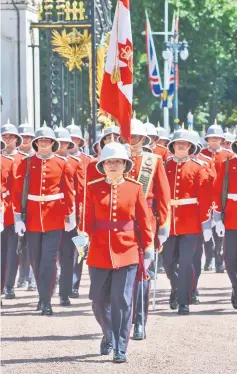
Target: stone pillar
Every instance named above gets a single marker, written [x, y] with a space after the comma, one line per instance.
[10, 76]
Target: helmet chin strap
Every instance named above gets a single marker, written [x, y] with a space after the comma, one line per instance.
[135, 148]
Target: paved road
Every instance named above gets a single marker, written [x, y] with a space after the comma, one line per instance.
[204, 342]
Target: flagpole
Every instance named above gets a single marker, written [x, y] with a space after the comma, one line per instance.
[166, 66]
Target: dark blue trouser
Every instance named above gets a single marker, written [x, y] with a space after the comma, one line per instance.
[43, 248]
[12, 257]
[77, 271]
[197, 261]
[137, 301]
[209, 251]
[5, 236]
[25, 270]
[111, 293]
[230, 255]
[180, 250]
[66, 259]
[218, 248]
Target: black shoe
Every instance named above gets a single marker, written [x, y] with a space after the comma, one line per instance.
[119, 357]
[208, 267]
[183, 310]
[64, 301]
[234, 299]
[9, 293]
[74, 294]
[47, 309]
[220, 269]
[39, 306]
[173, 301]
[138, 333]
[194, 298]
[105, 348]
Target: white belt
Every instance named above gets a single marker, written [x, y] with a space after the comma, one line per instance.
[192, 200]
[232, 196]
[43, 198]
[5, 194]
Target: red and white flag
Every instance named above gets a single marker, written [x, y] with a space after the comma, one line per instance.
[117, 87]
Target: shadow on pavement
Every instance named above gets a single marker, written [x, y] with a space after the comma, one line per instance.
[214, 312]
[19, 313]
[52, 338]
[82, 358]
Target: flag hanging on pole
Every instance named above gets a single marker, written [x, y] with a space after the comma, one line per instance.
[153, 67]
[117, 86]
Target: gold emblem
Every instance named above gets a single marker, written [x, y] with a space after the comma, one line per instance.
[127, 54]
[74, 47]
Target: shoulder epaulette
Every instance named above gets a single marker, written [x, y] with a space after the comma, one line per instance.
[6, 156]
[95, 181]
[75, 158]
[133, 180]
[160, 145]
[205, 156]
[199, 162]
[62, 157]
[89, 156]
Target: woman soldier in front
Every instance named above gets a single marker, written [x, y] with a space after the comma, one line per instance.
[116, 211]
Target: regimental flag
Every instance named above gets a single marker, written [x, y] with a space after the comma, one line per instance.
[117, 87]
[153, 67]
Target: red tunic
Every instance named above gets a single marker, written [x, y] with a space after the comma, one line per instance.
[47, 177]
[231, 205]
[92, 172]
[114, 248]
[187, 180]
[78, 176]
[6, 188]
[218, 157]
[161, 151]
[158, 196]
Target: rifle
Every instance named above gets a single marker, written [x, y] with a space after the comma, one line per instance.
[22, 239]
[225, 190]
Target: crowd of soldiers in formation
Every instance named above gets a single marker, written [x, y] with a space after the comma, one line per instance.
[132, 210]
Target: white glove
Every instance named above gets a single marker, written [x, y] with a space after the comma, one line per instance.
[69, 226]
[162, 239]
[1, 227]
[147, 262]
[81, 240]
[220, 229]
[207, 234]
[20, 228]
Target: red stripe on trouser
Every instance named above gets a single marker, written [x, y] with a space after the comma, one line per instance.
[55, 270]
[193, 272]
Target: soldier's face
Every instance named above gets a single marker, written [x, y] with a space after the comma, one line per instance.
[114, 168]
[110, 138]
[214, 142]
[64, 146]
[226, 145]
[137, 140]
[163, 142]
[10, 140]
[45, 145]
[26, 139]
[153, 139]
[181, 148]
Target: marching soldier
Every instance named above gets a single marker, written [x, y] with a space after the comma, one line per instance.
[114, 203]
[190, 203]
[163, 135]
[13, 140]
[225, 215]
[110, 134]
[25, 271]
[7, 222]
[79, 142]
[96, 147]
[228, 140]
[148, 169]
[49, 209]
[67, 248]
[214, 137]
[158, 149]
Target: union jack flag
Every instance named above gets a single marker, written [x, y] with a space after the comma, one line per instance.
[153, 67]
